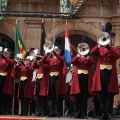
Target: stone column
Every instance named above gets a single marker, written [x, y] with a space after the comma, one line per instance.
[33, 34]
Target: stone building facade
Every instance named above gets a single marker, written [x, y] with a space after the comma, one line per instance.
[92, 13]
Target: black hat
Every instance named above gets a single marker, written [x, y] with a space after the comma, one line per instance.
[58, 41]
[57, 48]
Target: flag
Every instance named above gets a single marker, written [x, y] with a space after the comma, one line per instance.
[67, 6]
[19, 45]
[43, 39]
[67, 53]
[103, 27]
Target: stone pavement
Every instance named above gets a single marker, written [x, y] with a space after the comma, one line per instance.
[47, 118]
[68, 118]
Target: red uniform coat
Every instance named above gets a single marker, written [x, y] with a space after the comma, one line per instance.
[26, 71]
[57, 65]
[9, 82]
[3, 66]
[83, 64]
[45, 70]
[62, 76]
[106, 57]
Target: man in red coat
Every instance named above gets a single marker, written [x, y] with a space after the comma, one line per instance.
[6, 81]
[105, 79]
[81, 86]
[25, 86]
[41, 87]
[56, 82]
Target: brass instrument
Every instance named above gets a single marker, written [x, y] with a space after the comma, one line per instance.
[18, 61]
[103, 38]
[35, 54]
[83, 48]
[49, 47]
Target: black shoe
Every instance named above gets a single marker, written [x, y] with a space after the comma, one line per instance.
[110, 117]
[84, 117]
[25, 115]
[0, 112]
[43, 115]
[4, 113]
[94, 116]
[52, 115]
[77, 116]
[21, 114]
[103, 117]
[71, 115]
[38, 114]
[59, 115]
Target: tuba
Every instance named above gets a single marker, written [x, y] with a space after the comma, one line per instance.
[49, 47]
[103, 38]
[83, 48]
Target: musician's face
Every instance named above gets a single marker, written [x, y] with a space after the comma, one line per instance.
[72, 69]
[0, 57]
[28, 62]
[57, 51]
[6, 54]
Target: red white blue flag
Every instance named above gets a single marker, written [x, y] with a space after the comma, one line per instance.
[67, 53]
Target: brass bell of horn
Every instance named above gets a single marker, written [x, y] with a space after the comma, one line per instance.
[103, 38]
[83, 48]
[48, 46]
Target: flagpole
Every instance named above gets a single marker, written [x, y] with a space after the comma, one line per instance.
[102, 23]
[16, 21]
[42, 20]
[66, 23]
[54, 28]
[13, 102]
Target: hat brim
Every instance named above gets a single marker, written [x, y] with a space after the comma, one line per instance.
[6, 52]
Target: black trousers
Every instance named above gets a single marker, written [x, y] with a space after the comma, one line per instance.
[44, 105]
[53, 95]
[106, 97]
[7, 104]
[38, 102]
[24, 101]
[2, 83]
[97, 110]
[60, 105]
[41, 100]
[32, 107]
[81, 98]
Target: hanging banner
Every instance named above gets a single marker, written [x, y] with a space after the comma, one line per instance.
[3, 6]
[67, 6]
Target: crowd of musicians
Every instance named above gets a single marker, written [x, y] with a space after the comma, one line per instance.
[54, 82]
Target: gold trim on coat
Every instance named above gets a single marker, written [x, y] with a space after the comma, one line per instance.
[103, 66]
[82, 71]
[54, 73]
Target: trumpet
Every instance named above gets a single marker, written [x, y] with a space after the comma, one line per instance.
[37, 57]
[40, 56]
[18, 61]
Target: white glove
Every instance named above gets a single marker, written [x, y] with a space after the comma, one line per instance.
[78, 55]
[87, 57]
[99, 45]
